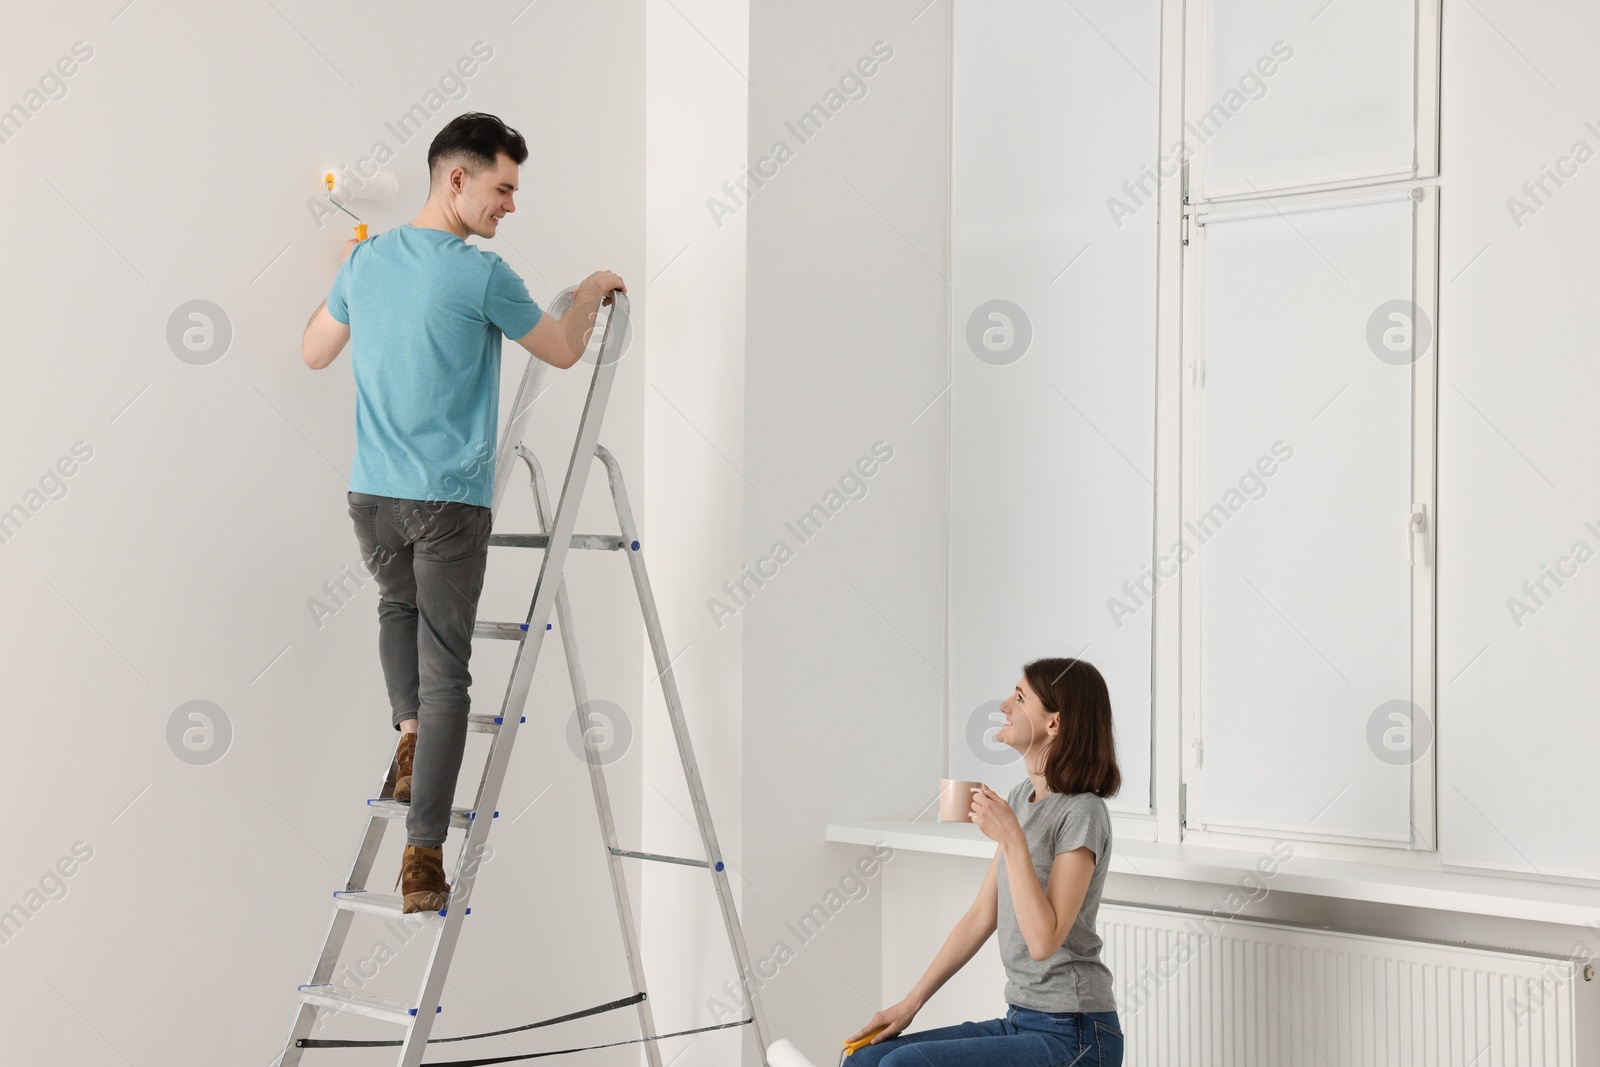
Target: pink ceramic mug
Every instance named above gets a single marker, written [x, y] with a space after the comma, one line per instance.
[955, 799]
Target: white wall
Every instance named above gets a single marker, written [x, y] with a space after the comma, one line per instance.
[843, 668]
[180, 561]
[1052, 436]
[1517, 393]
[696, 62]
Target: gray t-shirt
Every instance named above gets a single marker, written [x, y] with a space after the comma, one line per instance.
[1073, 979]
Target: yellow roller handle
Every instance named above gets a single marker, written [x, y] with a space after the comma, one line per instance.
[361, 228]
[860, 1042]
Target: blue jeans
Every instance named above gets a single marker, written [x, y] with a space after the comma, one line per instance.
[1024, 1038]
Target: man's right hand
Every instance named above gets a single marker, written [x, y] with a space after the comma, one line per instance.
[601, 283]
[561, 342]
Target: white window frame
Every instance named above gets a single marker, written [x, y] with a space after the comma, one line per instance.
[1178, 780]
[1424, 432]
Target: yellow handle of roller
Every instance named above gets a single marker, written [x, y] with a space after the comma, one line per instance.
[860, 1042]
[360, 228]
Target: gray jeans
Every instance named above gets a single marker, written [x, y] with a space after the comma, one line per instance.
[428, 557]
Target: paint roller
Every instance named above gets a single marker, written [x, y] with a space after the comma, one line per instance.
[381, 186]
[781, 1053]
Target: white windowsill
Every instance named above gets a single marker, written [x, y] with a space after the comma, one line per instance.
[1455, 891]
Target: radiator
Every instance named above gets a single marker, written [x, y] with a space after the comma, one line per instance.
[1194, 990]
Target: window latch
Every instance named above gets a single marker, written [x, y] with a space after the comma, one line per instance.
[1415, 525]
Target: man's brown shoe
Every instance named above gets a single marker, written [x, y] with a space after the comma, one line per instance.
[403, 757]
[421, 880]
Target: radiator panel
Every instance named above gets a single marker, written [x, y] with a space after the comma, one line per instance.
[1195, 990]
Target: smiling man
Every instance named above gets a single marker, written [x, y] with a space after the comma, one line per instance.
[424, 311]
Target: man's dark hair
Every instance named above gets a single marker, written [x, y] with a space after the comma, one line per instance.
[475, 139]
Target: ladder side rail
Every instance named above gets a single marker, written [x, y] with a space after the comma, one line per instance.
[680, 730]
[597, 779]
[516, 698]
[306, 1014]
[339, 929]
[528, 392]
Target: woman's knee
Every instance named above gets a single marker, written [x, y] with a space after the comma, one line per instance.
[902, 1054]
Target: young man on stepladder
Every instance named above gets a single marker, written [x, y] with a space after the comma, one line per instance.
[424, 311]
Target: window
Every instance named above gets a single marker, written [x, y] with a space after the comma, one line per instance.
[1193, 392]
[1309, 258]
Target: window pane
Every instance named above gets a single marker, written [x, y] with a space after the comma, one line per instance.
[1304, 494]
[1305, 91]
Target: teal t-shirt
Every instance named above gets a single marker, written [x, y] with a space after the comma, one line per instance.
[426, 310]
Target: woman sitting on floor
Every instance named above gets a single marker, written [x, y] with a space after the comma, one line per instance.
[1041, 893]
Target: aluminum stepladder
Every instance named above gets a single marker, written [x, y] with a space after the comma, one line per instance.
[319, 994]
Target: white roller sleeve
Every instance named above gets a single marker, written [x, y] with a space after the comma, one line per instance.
[782, 1054]
[350, 186]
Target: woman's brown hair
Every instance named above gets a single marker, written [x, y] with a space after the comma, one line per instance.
[1083, 757]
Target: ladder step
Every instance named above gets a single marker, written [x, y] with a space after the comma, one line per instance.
[388, 906]
[460, 818]
[372, 1005]
[489, 724]
[662, 859]
[595, 542]
[502, 631]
